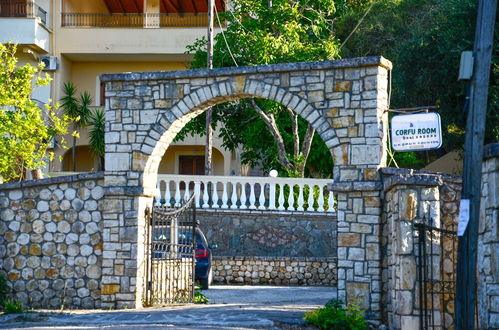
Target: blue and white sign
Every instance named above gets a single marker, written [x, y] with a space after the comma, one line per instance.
[419, 131]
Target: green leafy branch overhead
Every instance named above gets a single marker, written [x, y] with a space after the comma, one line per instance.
[26, 130]
[266, 133]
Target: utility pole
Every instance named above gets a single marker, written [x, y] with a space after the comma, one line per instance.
[208, 149]
[473, 157]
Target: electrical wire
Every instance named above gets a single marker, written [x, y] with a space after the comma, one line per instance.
[357, 26]
[390, 153]
[225, 39]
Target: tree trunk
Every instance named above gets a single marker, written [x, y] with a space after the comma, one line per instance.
[208, 167]
[271, 125]
[73, 155]
[305, 148]
[298, 150]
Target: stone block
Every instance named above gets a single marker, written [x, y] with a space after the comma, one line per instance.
[108, 289]
[117, 161]
[148, 116]
[365, 154]
[342, 86]
[358, 293]
[409, 322]
[139, 161]
[357, 254]
[348, 239]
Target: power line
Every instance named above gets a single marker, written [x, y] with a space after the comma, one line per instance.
[357, 26]
[225, 39]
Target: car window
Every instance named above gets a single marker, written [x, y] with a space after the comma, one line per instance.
[184, 236]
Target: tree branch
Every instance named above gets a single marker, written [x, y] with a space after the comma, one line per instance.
[294, 127]
[271, 125]
[306, 146]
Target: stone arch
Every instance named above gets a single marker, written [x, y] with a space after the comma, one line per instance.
[172, 121]
[144, 111]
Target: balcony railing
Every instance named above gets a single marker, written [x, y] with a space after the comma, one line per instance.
[117, 20]
[27, 9]
[246, 193]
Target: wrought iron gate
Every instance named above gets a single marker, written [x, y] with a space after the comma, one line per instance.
[436, 250]
[171, 255]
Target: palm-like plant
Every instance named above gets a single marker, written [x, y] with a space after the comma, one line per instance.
[77, 110]
[96, 135]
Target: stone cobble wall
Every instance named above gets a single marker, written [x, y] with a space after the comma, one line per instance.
[51, 240]
[410, 197]
[488, 242]
[269, 234]
[274, 270]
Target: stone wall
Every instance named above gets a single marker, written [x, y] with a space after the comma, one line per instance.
[274, 270]
[488, 241]
[51, 242]
[269, 234]
[415, 196]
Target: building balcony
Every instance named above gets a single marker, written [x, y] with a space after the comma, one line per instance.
[24, 23]
[22, 9]
[133, 20]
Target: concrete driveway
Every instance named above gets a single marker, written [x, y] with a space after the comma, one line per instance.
[239, 307]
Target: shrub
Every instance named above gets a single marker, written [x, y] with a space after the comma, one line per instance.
[200, 298]
[13, 307]
[334, 315]
[4, 290]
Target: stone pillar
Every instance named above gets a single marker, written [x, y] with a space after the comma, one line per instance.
[409, 197]
[361, 153]
[123, 258]
[488, 241]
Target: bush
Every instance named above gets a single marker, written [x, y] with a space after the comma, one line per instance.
[334, 315]
[4, 290]
[13, 307]
[200, 298]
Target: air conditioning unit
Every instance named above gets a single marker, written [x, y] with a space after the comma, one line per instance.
[50, 62]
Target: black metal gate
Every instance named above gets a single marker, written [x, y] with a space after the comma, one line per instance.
[171, 255]
[436, 250]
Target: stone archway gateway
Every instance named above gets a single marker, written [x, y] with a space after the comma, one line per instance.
[345, 100]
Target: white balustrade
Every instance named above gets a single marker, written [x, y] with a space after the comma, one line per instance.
[245, 192]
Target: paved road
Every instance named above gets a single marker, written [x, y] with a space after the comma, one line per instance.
[230, 307]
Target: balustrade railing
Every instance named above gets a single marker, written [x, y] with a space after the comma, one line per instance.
[132, 20]
[246, 193]
[26, 9]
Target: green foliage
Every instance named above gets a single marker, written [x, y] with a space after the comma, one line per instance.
[4, 290]
[199, 297]
[334, 315]
[77, 109]
[27, 130]
[96, 134]
[288, 31]
[424, 39]
[13, 307]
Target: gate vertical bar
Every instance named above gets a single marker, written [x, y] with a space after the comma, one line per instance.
[420, 275]
[148, 249]
[194, 246]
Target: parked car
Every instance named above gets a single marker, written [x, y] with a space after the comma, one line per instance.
[203, 255]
